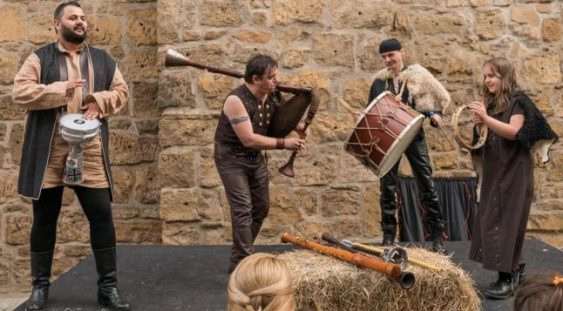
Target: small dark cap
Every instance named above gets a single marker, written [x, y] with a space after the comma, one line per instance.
[389, 45]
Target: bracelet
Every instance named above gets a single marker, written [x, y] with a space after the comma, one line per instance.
[280, 143]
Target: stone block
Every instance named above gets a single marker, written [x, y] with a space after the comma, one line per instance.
[174, 89]
[525, 14]
[546, 220]
[211, 212]
[147, 187]
[296, 57]
[208, 175]
[283, 207]
[355, 93]
[8, 110]
[141, 64]
[349, 227]
[313, 229]
[285, 12]
[551, 29]
[73, 226]
[129, 148]
[340, 201]
[138, 231]
[176, 169]
[142, 27]
[214, 89]
[478, 3]
[169, 21]
[105, 30]
[196, 129]
[9, 65]
[178, 233]
[15, 143]
[370, 213]
[253, 36]
[222, 14]
[213, 236]
[145, 101]
[307, 200]
[180, 204]
[8, 186]
[490, 24]
[17, 229]
[123, 181]
[334, 50]
[11, 21]
[432, 24]
[147, 126]
[544, 68]
[360, 15]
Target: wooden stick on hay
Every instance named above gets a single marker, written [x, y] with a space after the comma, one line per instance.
[393, 271]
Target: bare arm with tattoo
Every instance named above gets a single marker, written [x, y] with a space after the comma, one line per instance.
[240, 121]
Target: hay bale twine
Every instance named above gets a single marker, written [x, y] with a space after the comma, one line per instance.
[324, 283]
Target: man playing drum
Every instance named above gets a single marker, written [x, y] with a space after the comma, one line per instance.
[417, 88]
[239, 138]
[63, 77]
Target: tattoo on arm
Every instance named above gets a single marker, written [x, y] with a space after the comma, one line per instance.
[235, 121]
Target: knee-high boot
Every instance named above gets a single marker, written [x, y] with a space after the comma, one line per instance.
[108, 296]
[40, 274]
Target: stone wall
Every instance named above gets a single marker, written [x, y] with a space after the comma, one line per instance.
[162, 146]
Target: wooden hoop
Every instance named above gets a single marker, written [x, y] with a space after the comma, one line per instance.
[457, 135]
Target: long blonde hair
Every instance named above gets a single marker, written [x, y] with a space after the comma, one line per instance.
[506, 73]
[261, 282]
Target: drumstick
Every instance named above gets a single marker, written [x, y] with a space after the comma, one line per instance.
[348, 107]
[446, 136]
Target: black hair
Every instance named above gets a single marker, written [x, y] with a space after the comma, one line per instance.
[390, 45]
[257, 65]
[60, 8]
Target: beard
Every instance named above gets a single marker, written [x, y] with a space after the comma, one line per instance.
[72, 37]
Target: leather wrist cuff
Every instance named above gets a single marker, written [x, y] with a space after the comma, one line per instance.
[280, 143]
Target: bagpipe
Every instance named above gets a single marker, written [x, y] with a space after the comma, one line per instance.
[287, 114]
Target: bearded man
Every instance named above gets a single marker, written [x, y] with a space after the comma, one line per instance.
[61, 78]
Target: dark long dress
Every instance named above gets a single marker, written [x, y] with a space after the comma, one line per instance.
[506, 198]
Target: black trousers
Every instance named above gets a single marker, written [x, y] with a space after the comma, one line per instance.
[245, 178]
[96, 204]
[417, 155]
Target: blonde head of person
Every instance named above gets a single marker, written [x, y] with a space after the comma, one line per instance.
[260, 282]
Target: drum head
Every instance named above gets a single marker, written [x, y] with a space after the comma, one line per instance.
[75, 129]
[400, 145]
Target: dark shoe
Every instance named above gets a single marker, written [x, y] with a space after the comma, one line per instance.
[438, 246]
[388, 240]
[108, 295]
[502, 290]
[40, 274]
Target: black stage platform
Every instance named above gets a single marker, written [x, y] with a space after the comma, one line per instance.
[194, 277]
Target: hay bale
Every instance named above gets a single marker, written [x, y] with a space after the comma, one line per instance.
[326, 284]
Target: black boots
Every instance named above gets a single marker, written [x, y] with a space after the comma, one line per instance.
[108, 296]
[503, 288]
[437, 229]
[40, 274]
[506, 284]
[389, 232]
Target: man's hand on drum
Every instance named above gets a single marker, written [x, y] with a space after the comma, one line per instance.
[478, 112]
[71, 85]
[91, 111]
[300, 130]
[295, 144]
[436, 120]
